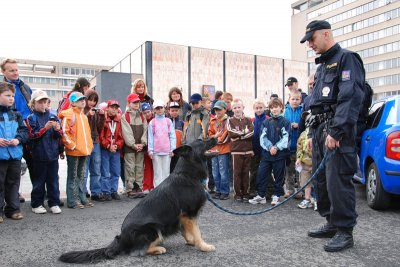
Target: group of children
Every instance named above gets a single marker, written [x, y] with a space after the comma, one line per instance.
[103, 142]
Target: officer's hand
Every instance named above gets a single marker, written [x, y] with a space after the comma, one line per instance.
[309, 144]
[331, 142]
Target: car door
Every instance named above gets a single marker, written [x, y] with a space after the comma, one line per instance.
[370, 139]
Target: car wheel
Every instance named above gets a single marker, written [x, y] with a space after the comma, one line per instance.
[377, 198]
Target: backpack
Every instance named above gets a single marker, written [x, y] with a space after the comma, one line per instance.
[61, 104]
[128, 118]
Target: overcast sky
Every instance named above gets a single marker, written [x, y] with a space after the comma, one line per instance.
[103, 32]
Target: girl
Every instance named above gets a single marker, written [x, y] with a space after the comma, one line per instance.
[139, 87]
[175, 95]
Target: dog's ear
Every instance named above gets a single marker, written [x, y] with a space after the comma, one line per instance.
[183, 151]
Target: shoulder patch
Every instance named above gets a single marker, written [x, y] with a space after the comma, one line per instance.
[346, 75]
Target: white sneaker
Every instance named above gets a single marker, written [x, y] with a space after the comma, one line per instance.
[55, 210]
[275, 200]
[146, 192]
[305, 204]
[315, 206]
[39, 210]
[258, 200]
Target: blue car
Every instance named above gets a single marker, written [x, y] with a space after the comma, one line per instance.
[380, 153]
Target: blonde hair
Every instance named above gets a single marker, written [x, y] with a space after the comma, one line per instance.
[6, 61]
[259, 101]
[227, 96]
[134, 85]
[295, 94]
[237, 101]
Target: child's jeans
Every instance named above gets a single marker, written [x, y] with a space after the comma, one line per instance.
[75, 178]
[220, 169]
[10, 177]
[264, 176]
[110, 171]
[93, 166]
[46, 178]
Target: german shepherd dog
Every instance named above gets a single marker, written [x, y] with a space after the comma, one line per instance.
[171, 207]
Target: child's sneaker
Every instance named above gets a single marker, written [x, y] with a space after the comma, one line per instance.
[258, 200]
[305, 204]
[55, 210]
[39, 210]
[275, 200]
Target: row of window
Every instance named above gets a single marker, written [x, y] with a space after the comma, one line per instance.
[392, 14]
[379, 50]
[382, 65]
[78, 71]
[40, 80]
[386, 94]
[68, 82]
[385, 80]
[328, 8]
[369, 37]
[359, 10]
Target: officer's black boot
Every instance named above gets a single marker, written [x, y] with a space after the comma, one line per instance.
[327, 230]
[342, 240]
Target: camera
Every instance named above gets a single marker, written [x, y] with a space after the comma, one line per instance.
[53, 119]
[96, 109]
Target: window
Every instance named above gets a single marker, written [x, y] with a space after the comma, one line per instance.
[374, 114]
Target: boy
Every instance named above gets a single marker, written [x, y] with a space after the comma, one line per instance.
[148, 176]
[178, 126]
[134, 132]
[274, 140]
[259, 116]
[111, 141]
[162, 142]
[78, 145]
[292, 113]
[13, 133]
[196, 121]
[220, 164]
[207, 104]
[227, 98]
[240, 131]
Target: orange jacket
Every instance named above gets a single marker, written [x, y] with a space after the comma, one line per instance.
[76, 132]
[224, 142]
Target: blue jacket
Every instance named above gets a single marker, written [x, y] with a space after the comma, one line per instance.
[257, 122]
[293, 115]
[12, 126]
[275, 132]
[20, 102]
[43, 144]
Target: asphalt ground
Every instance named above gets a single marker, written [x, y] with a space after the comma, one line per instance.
[277, 238]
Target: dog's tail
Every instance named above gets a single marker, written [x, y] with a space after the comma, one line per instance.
[95, 255]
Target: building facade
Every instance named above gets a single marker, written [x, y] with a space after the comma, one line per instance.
[56, 78]
[368, 27]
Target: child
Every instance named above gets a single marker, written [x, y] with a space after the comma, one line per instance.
[162, 141]
[13, 133]
[96, 118]
[227, 98]
[148, 177]
[78, 145]
[207, 104]
[111, 141]
[220, 163]
[304, 160]
[174, 109]
[274, 140]
[134, 132]
[240, 131]
[45, 133]
[259, 116]
[196, 121]
[292, 113]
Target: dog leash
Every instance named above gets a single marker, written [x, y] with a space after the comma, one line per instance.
[327, 156]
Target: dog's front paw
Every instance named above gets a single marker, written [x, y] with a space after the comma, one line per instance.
[206, 247]
[156, 250]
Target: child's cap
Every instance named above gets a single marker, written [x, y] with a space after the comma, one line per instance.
[103, 105]
[38, 95]
[132, 98]
[195, 98]
[112, 103]
[76, 96]
[146, 106]
[220, 104]
[158, 103]
[174, 105]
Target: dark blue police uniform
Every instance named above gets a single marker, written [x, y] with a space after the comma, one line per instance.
[336, 101]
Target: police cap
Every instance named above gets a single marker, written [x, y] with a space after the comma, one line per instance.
[313, 26]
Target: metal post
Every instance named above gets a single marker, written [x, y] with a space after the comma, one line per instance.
[149, 67]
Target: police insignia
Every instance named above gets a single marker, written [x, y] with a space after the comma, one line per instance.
[346, 75]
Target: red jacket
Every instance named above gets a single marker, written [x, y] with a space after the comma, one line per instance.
[105, 136]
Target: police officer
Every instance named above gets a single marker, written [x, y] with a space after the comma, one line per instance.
[335, 102]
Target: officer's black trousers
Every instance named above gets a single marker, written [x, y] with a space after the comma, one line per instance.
[335, 189]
